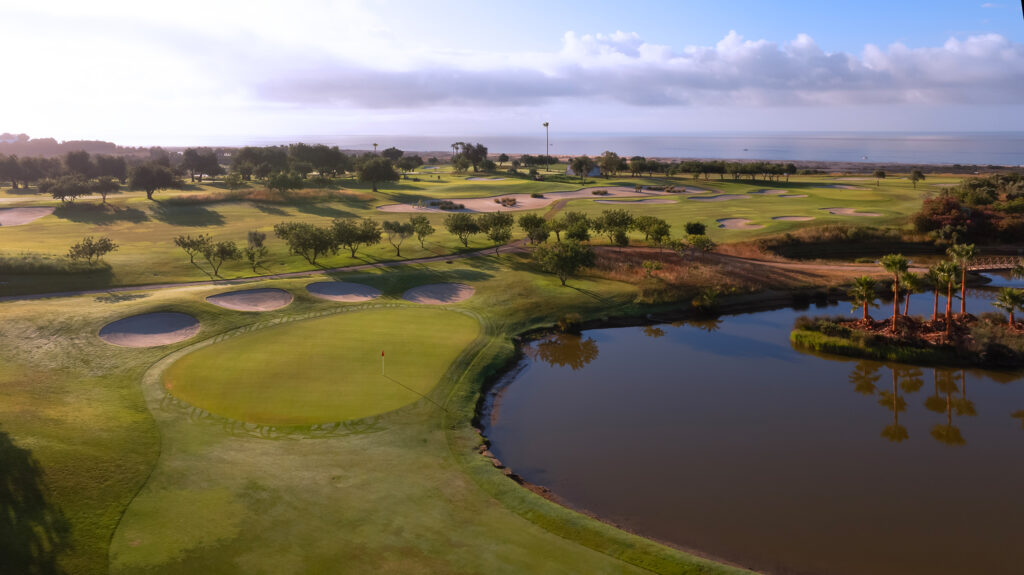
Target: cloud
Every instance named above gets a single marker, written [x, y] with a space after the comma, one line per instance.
[622, 68]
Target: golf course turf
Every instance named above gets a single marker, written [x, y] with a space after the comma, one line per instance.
[325, 369]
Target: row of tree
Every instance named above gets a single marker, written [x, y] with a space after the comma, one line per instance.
[23, 172]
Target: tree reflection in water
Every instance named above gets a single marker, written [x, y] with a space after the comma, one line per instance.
[564, 349]
[654, 331]
[949, 398]
[708, 324]
[908, 380]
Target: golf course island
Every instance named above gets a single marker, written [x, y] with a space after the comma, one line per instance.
[423, 366]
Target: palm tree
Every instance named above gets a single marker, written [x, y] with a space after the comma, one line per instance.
[863, 294]
[962, 254]
[933, 278]
[1018, 271]
[912, 283]
[897, 265]
[1009, 300]
[547, 148]
[948, 272]
[375, 148]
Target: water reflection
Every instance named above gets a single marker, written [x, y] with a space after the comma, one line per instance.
[857, 461]
[564, 349]
[654, 331]
[708, 324]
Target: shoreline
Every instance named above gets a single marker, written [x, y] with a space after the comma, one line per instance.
[491, 388]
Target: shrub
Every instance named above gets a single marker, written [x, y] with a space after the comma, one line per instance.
[536, 195]
[600, 192]
[570, 323]
[448, 205]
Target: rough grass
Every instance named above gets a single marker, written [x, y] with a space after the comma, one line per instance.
[144, 230]
[401, 492]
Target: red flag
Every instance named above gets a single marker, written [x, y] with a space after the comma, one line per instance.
[382, 353]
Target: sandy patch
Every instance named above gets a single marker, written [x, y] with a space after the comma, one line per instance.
[792, 196]
[150, 329]
[523, 201]
[252, 299]
[769, 192]
[737, 224]
[343, 291]
[650, 201]
[21, 216]
[845, 187]
[439, 294]
[721, 198]
[850, 212]
[793, 218]
[484, 179]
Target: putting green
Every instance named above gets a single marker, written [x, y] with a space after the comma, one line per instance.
[326, 369]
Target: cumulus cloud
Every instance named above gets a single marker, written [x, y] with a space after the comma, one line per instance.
[621, 67]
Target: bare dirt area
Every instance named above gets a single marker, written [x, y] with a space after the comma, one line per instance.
[150, 330]
[21, 216]
[343, 291]
[439, 294]
[252, 300]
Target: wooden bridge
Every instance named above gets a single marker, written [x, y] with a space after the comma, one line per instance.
[992, 263]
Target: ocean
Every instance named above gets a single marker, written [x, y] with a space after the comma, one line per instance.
[982, 149]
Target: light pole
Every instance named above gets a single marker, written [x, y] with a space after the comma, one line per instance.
[547, 148]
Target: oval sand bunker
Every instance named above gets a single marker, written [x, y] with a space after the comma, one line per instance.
[850, 212]
[150, 329]
[793, 218]
[738, 224]
[265, 299]
[21, 216]
[343, 291]
[439, 294]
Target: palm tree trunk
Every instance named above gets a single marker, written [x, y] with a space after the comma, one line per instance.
[865, 310]
[963, 290]
[895, 301]
[906, 305]
[935, 310]
[949, 306]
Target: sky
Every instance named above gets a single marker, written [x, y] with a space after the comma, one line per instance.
[220, 72]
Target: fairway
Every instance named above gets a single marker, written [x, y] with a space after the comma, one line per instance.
[326, 369]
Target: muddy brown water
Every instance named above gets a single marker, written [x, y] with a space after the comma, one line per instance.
[720, 437]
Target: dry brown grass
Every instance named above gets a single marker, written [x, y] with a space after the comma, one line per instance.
[683, 276]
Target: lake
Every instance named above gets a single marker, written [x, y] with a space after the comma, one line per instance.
[718, 436]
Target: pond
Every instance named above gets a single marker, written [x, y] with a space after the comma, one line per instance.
[717, 436]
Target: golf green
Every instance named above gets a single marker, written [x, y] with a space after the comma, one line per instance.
[326, 369]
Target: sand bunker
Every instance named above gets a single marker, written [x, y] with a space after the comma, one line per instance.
[720, 198]
[150, 329]
[792, 196]
[845, 187]
[650, 201]
[769, 192]
[793, 218]
[252, 299]
[21, 216]
[343, 291]
[737, 224]
[438, 294]
[523, 201]
[850, 212]
[484, 179]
